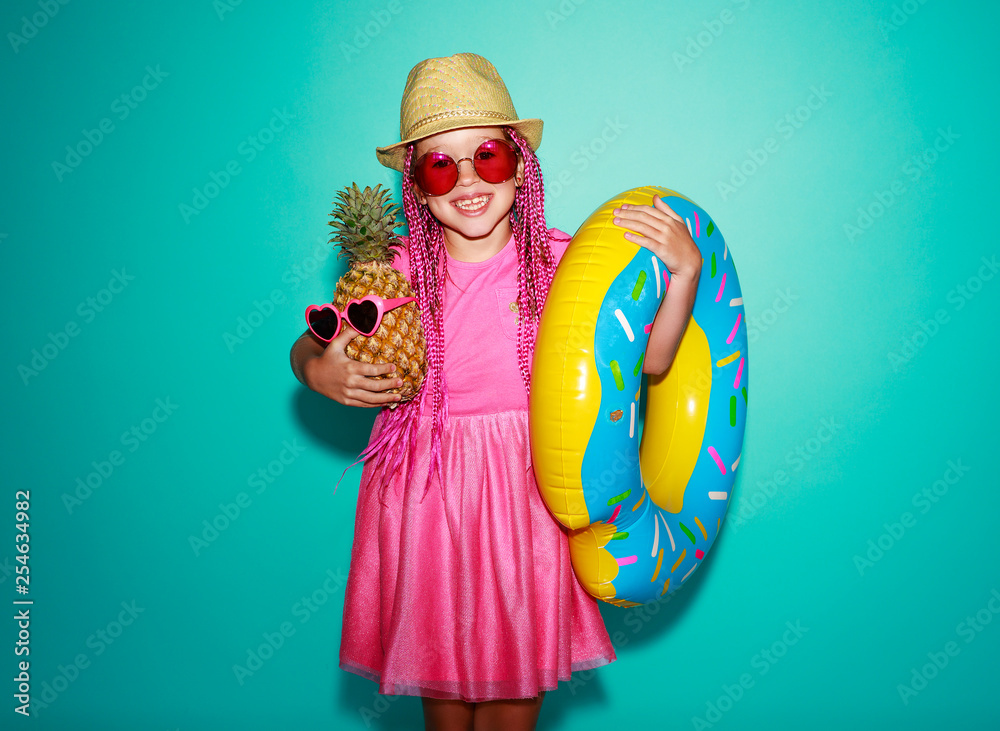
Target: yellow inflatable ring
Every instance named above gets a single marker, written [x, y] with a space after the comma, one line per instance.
[642, 517]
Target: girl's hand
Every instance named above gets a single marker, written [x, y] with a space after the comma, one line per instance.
[663, 232]
[346, 380]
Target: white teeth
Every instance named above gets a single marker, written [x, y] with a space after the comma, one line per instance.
[473, 204]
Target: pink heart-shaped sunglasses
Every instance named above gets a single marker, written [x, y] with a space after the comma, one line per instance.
[364, 315]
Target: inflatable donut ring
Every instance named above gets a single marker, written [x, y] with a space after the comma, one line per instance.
[637, 534]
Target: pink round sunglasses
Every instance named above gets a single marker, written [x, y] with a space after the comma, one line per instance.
[364, 315]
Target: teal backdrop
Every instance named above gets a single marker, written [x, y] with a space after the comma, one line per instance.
[169, 170]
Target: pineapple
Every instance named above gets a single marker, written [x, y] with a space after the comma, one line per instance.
[364, 222]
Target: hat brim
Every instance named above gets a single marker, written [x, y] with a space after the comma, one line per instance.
[394, 156]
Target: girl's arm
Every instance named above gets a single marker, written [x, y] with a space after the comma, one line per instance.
[669, 324]
[304, 349]
[664, 233]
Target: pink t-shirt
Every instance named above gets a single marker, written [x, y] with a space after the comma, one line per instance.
[480, 330]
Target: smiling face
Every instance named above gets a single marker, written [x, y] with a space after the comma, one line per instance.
[474, 214]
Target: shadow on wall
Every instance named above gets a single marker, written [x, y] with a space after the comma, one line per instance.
[344, 429]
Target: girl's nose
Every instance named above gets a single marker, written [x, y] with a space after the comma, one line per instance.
[466, 175]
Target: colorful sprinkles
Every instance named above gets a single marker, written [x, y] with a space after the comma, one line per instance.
[616, 371]
[619, 498]
[639, 284]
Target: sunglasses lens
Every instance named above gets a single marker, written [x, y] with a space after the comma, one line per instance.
[324, 323]
[436, 173]
[363, 317]
[495, 161]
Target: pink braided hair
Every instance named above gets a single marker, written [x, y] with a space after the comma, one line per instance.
[536, 265]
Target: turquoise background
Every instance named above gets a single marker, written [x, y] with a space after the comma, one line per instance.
[677, 106]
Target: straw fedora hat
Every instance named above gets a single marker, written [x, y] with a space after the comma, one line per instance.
[463, 90]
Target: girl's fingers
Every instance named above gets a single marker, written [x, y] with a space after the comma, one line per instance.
[384, 384]
[367, 398]
[639, 227]
[647, 215]
[339, 343]
[637, 211]
[362, 376]
[659, 210]
[659, 226]
[363, 383]
[660, 205]
[374, 369]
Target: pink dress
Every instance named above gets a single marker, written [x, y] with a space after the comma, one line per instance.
[471, 593]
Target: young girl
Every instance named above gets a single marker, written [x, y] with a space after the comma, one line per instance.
[460, 587]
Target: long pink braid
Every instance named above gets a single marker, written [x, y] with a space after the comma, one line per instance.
[536, 266]
[535, 262]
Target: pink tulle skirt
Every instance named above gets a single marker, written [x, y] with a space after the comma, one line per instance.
[469, 594]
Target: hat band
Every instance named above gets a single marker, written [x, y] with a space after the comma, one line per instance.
[456, 113]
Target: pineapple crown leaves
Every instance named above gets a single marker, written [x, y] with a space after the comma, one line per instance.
[364, 223]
